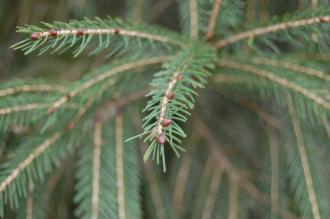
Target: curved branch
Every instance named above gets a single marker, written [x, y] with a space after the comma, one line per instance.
[276, 79]
[270, 29]
[304, 160]
[101, 77]
[213, 19]
[291, 66]
[32, 88]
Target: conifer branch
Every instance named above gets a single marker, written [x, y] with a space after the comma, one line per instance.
[150, 175]
[104, 76]
[32, 88]
[96, 169]
[61, 36]
[274, 160]
[29, 204]
[291, 66]
[278, 80]
[36, 153]
[22, 108]
[120, 167]
[175, 95]
[26, 162]
[193, 9]
[56, 118]
[112, 31]
[304, 159]
[213, 19]
[270, 29]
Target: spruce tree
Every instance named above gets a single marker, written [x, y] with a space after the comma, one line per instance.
[221, 113]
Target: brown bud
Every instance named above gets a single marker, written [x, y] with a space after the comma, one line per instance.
[50, 109]
[179, 77]
[324, 19]
[161, 139]
[52, 32]
[80, 32]
[67, 96]
[170, 95]
[117, 31]
[36, 36]
[166, 122]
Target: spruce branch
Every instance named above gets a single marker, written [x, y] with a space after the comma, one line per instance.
[105, 76]
[271, 29]
[108, 177]
[18, 170]
[26, 88]
[193, 11]
[155, 188]
[291, 66]
[319, 100]
[213, 19]
[255, 161]
[120, 166]
[22, 108]
[26, 162]
[275, 178]
[174, 93]
[61, 36]
[304, 160]
[96, 169]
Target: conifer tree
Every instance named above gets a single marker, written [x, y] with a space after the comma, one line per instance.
[223, 115]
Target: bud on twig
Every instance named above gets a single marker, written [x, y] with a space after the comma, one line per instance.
[170, 95]
[166, 122]
[80, 32]
[52, 32]
[161, 139]
[35, 36]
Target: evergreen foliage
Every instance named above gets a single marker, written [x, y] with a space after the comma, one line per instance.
[235, 110]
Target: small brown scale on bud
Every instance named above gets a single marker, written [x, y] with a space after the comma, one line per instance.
[52, 32]
[80, 32]
[166, 122]
[161, 139]
[170, 95]
[36, 36]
